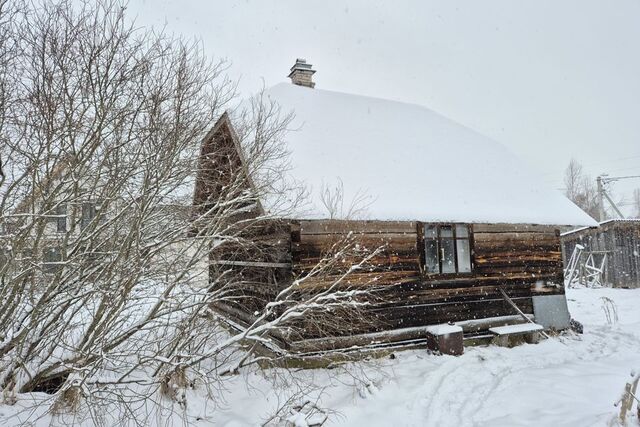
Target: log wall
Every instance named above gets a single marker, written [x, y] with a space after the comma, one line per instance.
[524, 260]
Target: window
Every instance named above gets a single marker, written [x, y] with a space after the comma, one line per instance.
[447, 248]
[52, 260]
[88, 256]
[88, 213]
[61, 218]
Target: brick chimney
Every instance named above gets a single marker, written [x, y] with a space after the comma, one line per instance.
[301, 73]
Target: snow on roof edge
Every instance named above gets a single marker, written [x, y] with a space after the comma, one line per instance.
[601, 223]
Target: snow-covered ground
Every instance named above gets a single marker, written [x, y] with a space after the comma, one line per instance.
[567, 381]
[564, 381]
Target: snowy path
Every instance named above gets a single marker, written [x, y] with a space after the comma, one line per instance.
[560, 382]
[502, 387]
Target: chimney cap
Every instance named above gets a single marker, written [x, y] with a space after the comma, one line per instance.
[301, 65]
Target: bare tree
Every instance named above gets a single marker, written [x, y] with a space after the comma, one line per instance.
[9, 49]
[580, 189]
[333, 200]
[105, 290]
[573, 180]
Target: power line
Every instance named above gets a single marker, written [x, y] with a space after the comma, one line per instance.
[606, 178]
[625, 169]
[613, 160]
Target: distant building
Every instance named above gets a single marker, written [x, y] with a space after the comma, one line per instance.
[81, 231]
[614, 245]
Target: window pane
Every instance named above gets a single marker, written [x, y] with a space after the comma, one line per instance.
[462, 230]
[61, 220]
[448, 255]
[464, 256]
[52, 256]
[431, 255]
[446, 231]
[88, 213]
[430, 231]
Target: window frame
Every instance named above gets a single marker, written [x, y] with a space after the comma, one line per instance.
[91, 207]
[422, 240]
[50, 266]
[61, 218]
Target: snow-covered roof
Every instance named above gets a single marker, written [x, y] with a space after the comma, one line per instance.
[576, 230]
[604, 223]
[410, 162]
[622, 220]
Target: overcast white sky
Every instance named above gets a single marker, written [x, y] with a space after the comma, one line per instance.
[550, 79]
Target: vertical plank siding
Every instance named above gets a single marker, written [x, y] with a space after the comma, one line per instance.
[620, 240]
[248, 284]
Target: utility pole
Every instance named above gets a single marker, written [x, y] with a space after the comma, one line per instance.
[600, 199]
[601, 181]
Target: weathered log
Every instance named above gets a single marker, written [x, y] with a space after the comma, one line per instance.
[508, 228]
[344, 227]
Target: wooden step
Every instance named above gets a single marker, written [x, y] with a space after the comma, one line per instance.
[511, 335]
[521, 328]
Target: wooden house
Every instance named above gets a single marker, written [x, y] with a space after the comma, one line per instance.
[469, 236]
[70, 224]
[613, 248]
